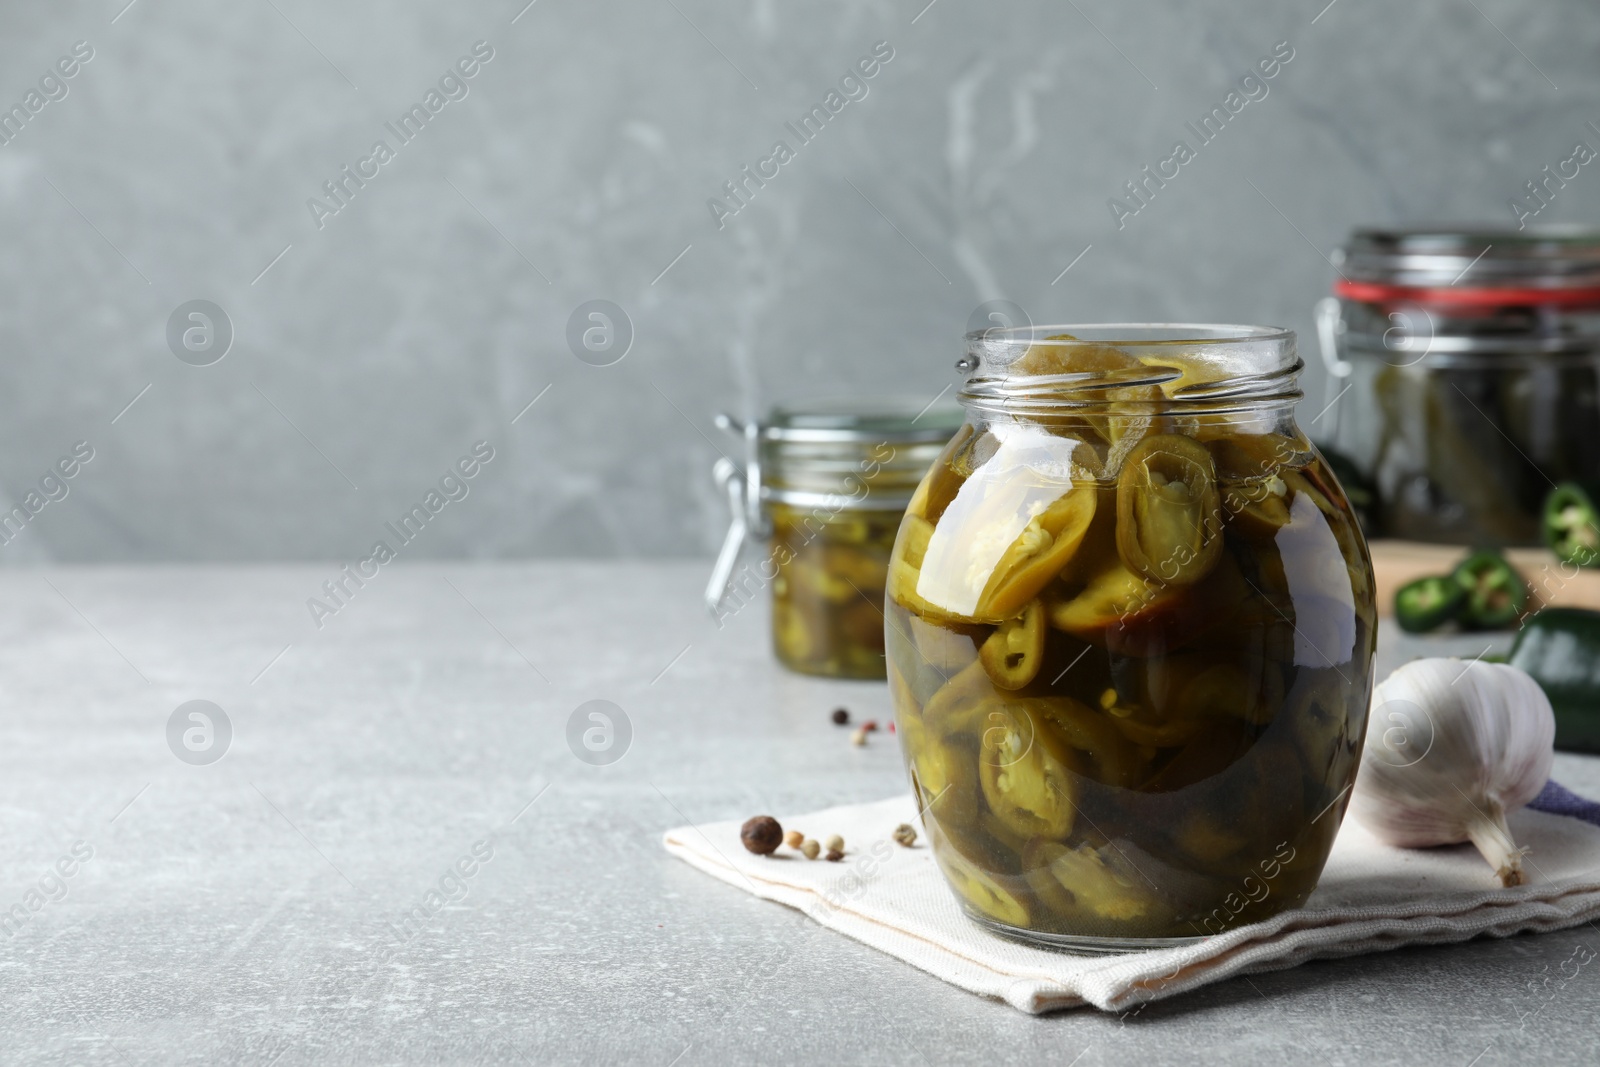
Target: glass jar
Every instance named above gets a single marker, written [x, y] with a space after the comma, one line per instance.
[1466, 365]
[824, 487]
[1131, 632]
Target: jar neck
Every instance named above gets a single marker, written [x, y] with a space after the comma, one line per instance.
[863, 474]
[1045, 398]
[1130, 368]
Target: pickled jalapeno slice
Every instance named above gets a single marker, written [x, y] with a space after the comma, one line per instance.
[1168, 734]
[958, 706]
[1044, 547]
[918, 532]
[1092, 733]
[1116, 599]
[936, 491]
[1012, 653]
[1428, 603]
[1496, 593]
[1246, 457]
[1169, 522]
[940, 650]
[1572, 525]
[1090, 882]
[980, 890]
[1254, 495]
[948, 776]
[905, 569]
[1026, 772]
[1260, 509]
[1225, 689]
[1072, 359]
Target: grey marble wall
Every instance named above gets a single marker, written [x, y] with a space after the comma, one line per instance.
[373, 345]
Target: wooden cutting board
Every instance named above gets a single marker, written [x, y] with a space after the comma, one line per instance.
[1554, 584]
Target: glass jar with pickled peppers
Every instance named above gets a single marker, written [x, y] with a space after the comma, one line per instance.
[823, 488]
[1130, 636]
[1466, 371]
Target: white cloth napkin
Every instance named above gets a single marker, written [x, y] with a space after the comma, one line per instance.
[1372, 898]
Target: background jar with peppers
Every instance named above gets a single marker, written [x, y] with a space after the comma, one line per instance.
[1466, 375]
[821, 492]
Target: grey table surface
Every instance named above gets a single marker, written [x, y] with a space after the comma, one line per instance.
[251, 910]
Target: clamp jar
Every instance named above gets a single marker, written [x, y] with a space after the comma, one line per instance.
[823, 488]
[1466, 362]
[1131, 630]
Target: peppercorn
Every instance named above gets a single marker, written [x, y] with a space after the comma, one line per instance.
[858, 738]
[841, 716]
[834, 855]
[761, 835]
[833, 843]
[810, 848]
[905, 835]
[793, 838]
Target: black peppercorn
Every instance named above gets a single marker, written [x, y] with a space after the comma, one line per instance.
[841, 717]
[761, 835]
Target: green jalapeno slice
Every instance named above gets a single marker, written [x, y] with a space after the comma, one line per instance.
[1039, 553]
[1428, 603]
[1169, 523]
[1081, 883]
[1114, 598]
[1572, 525]
[1012, 653]
[1026, 773]
[981, 890]
[905, 568]
[1496, 593]
[1091, 732]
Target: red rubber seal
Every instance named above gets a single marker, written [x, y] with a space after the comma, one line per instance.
[1378, 293]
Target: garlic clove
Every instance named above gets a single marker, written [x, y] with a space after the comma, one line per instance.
[1451, 749]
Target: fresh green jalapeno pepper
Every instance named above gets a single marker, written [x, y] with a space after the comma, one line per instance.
[1572, 525]
[1428, 603]
[1496, 593]
[1560, 649]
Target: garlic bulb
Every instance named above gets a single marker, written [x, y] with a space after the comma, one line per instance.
[1451, 748]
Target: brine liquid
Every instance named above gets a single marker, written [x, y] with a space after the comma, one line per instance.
[828, 590]
[1131, 698]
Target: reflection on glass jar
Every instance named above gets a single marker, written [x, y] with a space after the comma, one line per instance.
[823, 489]
[1130, 636]
[1467, 366]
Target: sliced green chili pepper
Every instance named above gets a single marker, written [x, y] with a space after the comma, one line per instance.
[1572, 525]
[1560, 649]
[1496, 593]
[1428, 603]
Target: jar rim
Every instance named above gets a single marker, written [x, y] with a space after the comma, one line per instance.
[892, 420]
[1532, 265]
[1188, 364]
